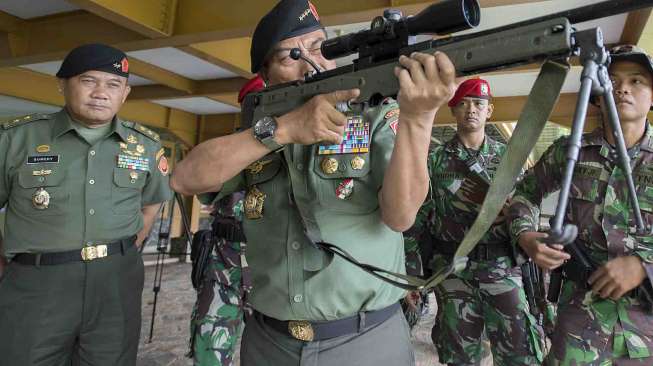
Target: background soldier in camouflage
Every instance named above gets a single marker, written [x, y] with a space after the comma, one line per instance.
[487, 295]
[218, 313]
[601, 320]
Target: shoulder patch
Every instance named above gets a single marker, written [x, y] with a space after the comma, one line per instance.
[24, 119]
[143, 130]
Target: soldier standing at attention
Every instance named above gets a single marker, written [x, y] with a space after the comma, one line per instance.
[82, 188]
[360, 194]
[602, 318]
[488, 295]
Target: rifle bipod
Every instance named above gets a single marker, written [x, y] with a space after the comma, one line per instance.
[163, 242]
[595, 81]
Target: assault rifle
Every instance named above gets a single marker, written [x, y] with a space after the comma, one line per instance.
[550, 39]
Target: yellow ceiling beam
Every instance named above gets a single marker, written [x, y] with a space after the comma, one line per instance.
[162, 76]
[634, 27]
[151, 18]
[224, 89]
[229, 54]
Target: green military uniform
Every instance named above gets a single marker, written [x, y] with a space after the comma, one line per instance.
[64, 193]
[217, 316]
[291, 278]
[487, 296]
[590, 330]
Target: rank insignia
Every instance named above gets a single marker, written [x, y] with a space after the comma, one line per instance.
[132, 139]
[133, 162]
[43, 149]
[357, 163]
[41, 199]
[329, 165]
[345, 189]
[140, 148]
[257, 166]
[355, 140]
[254, 201]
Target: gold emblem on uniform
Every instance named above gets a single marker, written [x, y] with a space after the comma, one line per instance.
[329, 165]
[301, 330]
[43, 148]
[132, 139]
[133, 176]
[140, 149]
[41, 199]
[38, 173]
[123, 145]
[257, 166]
[357, 163]
[254, 203]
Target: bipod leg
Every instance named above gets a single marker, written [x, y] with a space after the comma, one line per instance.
[161, 247]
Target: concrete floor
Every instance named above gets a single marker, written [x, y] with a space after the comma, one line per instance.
[175, 301]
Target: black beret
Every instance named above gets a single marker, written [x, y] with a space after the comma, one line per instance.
[95, 56]
[289, 18]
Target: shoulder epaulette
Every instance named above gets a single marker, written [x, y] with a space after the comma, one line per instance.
[24, 119]
[143, 130]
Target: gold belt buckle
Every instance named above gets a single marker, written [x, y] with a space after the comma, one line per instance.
[94, 252]
[302, 330]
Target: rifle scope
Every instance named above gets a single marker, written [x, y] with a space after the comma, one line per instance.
[445, 17]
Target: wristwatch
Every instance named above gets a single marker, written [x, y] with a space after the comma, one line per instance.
[264, 130]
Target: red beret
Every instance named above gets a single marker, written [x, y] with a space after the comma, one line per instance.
[253, 85]
[477, 88]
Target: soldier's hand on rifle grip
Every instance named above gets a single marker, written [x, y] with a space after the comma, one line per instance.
[617, 276]
[426, 83]
[316, 121]
[545, 256]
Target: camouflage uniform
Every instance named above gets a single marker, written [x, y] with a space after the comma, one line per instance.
[218, 313]
[590, 330]
[488, 294]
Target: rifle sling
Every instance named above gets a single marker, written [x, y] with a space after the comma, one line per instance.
[540, 103]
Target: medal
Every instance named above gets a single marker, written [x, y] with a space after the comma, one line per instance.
[345, 189]
[329, 165]
[357, 163]
[254, 203]
[41, 199]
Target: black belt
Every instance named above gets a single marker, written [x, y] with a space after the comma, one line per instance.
[481, 252]
[86, 254]
[316, 331]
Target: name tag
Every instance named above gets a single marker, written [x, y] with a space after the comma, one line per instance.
[54, 159]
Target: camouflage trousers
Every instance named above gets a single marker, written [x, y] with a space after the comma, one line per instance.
[593, 331]
[486, 297]
[217, 316]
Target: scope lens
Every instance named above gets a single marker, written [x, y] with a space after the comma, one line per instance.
[472, 12]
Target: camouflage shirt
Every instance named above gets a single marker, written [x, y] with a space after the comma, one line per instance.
[600, 208]
[460, 178]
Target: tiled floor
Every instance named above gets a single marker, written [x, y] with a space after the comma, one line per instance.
[175, 300]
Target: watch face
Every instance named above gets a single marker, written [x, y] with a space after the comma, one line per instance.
[265, 127]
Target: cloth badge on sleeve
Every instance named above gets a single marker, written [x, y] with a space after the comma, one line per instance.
[163, 166]
[355, 140]
[133, 162]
